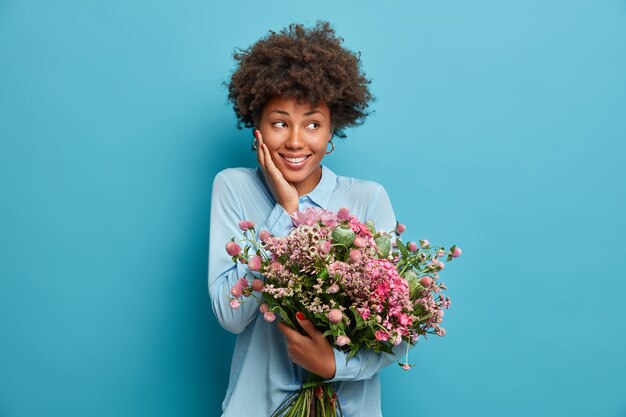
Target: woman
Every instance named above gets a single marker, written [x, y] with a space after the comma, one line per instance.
[296, 89]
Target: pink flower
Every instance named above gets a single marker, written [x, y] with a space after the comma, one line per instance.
[343, 214]
[412, 246]
[360, 242]
[324, 246]
[269, 316]
[355, 255]
[245, 225]
[343, 340]
[426, 281]
[335, 315]
[311, 216]
[457, 252]
[425, 243]
[405, 320]
[236, 291]
[264, 235]
[332, 289]
[254, 263]
[263, 308]
[258, 285]
[234, 304]
[396, 340]
[233, 249]
[381, 335]
[406, 366]
[440, 253]
[400, 228]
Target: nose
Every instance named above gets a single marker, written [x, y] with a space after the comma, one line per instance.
[294, 140]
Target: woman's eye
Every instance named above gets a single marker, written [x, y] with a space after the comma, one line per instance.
[313, 125]
[279, 124]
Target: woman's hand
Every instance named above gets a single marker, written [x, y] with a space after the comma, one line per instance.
[284, 192]
[313, 352]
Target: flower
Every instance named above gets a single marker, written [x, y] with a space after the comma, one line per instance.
[355, 255]
[258, 285]
[236, 291]
[425, 243]
[406, 366]
[234, 304]
[343, 340]
[233, 249]
[381, 335]
[426, 281]
[400, 228]
[335, 315]
[269, 316]
[245, 225]
[343, 214]
[264, 235]
[396, 340]
[263, 308]
[333, 288]
[456, 253]
[412, 246]
[325, 247]
[311, 216]
[254, 263]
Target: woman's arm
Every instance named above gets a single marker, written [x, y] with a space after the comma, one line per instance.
[226, 213]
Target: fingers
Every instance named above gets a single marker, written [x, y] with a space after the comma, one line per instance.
[308, 327]
[289, 333]
[259, 150]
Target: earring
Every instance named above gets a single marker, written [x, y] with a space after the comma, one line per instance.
[255, 144]
[332, 147]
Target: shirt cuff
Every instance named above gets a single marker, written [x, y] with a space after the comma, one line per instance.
[343, 370]
[279, 222]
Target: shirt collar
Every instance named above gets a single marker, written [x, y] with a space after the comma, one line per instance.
[320, 195]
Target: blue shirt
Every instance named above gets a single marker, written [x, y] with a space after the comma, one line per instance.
[261, 373]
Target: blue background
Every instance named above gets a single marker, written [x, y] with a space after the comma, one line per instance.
[499, 126]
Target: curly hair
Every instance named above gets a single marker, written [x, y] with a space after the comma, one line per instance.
[308, 64]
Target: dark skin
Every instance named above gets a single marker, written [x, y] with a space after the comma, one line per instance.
[296, 130]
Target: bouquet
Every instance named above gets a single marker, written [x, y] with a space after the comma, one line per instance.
[361, 287]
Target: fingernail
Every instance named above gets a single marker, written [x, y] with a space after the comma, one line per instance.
[300, 316]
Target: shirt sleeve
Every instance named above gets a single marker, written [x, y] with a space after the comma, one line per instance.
[226, 213]
[366, 363]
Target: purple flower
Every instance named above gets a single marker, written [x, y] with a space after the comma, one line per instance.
[233, 249]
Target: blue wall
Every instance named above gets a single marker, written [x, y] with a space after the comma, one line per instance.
[499, 126]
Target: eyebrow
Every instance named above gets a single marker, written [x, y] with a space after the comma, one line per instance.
[305, 114]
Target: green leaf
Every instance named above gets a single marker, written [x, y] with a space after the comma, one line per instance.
[402, 248]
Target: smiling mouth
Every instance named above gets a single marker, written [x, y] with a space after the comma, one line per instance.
[295, 160]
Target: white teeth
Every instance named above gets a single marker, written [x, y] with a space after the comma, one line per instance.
[296, 160]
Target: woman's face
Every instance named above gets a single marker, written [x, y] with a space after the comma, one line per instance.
[297, 136]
